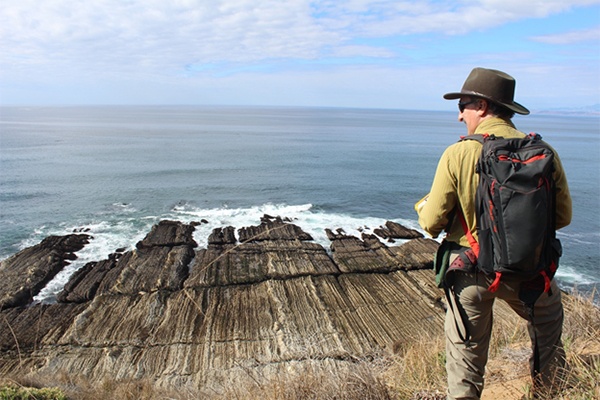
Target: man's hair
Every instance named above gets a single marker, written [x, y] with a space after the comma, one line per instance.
[500, 111]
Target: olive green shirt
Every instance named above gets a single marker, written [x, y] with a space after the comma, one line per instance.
[455, 183]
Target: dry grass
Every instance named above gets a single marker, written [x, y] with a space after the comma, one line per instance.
[417, 370]
[581, 335]
[358, 382]
[414, 371]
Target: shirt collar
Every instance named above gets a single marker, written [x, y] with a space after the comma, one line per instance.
[495, 125]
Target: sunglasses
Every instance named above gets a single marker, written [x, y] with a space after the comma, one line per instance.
[461, 106]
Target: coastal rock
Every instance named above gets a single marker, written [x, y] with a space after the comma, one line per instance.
[416, 253]
[84, 283]
[160, 262]
[169, 234]
[352, 254]
[149, 270]
[272, 301]
[23, 275]
[394, 230]
[221, 236]
[25, 329]
[272, 229]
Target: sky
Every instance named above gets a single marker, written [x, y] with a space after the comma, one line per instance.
[332, 53]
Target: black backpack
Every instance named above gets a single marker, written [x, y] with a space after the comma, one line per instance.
[516, 210]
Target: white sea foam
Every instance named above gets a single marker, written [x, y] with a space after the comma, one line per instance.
[106, 237]
[312, 221]
[570, 275]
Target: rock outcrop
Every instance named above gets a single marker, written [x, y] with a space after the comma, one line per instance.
[270, 300]
[23, 275]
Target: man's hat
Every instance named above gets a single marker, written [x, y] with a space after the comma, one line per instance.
[492, 85]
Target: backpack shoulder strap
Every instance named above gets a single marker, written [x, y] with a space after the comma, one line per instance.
[481, 138]
[472, 241]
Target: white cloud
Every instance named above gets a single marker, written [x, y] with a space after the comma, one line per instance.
[387, 18]
[171, 34]
[158, 33]
[122, 49]
[585, 35]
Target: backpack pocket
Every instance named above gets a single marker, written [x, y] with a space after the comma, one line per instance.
[486, 260]
[523, 229]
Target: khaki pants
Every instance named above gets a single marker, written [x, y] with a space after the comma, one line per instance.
[465, 365]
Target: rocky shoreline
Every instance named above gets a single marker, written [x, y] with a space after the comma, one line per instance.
[245, 307]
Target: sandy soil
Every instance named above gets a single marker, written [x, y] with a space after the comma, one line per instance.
[508, 374]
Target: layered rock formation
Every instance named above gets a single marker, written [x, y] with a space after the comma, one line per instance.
[266, 301]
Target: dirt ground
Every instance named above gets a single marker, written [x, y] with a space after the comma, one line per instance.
[508, 374]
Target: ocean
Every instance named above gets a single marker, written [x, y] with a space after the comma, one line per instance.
[114, 171]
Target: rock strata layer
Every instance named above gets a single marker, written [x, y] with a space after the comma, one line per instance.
[244, 307]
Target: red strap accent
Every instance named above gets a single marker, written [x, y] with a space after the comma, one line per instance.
[496, 284]
[504, 157]
[546, 282]
[472, 242]
[553, 267]
[475, 247]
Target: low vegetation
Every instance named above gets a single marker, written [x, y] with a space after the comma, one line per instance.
[14, 392]
[414, 371]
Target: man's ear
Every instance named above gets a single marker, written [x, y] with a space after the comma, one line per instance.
[482, 107]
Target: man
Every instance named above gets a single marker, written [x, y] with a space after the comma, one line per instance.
[486, 105]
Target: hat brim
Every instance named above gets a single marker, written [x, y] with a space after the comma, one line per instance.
[514, 106]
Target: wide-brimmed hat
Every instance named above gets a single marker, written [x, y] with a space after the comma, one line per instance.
[492, 85]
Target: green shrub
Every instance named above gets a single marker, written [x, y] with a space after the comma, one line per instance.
[23, 393]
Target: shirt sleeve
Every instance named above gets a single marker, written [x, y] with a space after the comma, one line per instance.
[434, 214]
[564, 205]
